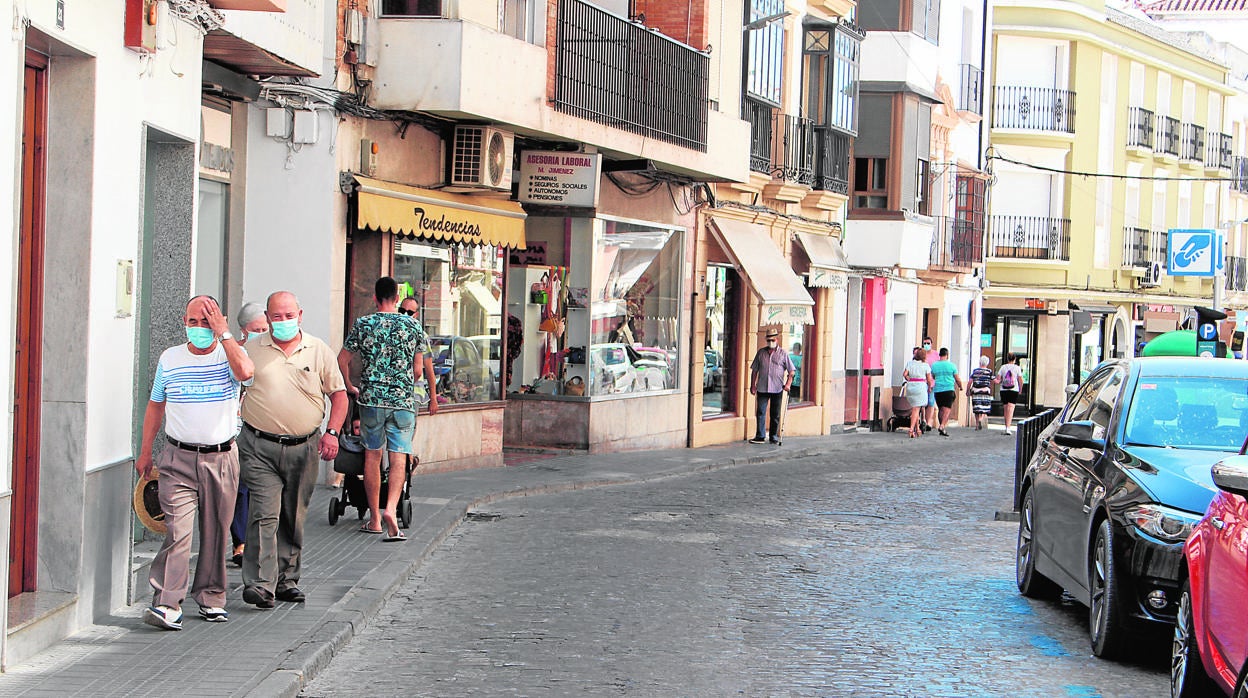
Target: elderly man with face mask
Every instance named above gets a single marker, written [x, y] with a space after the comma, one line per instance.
[771, 375]
[279, 447]
[195, 393]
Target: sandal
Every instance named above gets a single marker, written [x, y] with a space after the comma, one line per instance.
[365, 529]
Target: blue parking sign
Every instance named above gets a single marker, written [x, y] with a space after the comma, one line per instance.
[1193, 253]
[1208, 331]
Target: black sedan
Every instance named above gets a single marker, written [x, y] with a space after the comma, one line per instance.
[1116, 484]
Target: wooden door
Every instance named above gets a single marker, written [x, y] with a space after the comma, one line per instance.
[23, 528]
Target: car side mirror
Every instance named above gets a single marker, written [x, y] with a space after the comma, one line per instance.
[1079, 434]
[1232, 475]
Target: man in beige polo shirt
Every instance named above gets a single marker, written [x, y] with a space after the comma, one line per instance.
[279, 446]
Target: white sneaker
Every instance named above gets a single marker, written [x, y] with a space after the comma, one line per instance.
[213, 614]
[163, 617]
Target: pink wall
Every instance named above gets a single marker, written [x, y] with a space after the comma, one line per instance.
[872, 340]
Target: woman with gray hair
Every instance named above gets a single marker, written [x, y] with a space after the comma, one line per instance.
[251, 322]
[979, 388]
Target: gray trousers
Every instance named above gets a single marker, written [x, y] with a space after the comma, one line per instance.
[190, 482]
[280, 480]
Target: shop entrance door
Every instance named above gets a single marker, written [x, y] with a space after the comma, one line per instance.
[1016, 335]
[28, 359]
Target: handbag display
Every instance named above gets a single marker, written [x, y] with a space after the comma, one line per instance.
[574, 386]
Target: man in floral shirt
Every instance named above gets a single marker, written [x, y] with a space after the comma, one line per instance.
[392, 348]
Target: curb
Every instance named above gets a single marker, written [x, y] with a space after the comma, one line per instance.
[303, 661]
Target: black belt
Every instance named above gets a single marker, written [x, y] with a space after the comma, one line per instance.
[280, 438]
[199, 448]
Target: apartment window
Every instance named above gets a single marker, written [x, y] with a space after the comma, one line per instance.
[411, 8]
[969, 220]
[830, 63]
[923, 188]
[514, 19]
[925, 19]
[766, 50]
[871, 182]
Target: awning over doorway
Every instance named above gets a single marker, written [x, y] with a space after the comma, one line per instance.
[1094, 308]
[426, 213]
[784, 298]
[828, 265]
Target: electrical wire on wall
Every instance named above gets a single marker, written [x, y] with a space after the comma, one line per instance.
[991, 155]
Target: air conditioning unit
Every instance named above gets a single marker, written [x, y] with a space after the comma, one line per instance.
[1152, 276]
[481, 157]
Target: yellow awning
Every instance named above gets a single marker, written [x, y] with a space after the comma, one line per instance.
[785, 299]
[427, 213]
[827, 260]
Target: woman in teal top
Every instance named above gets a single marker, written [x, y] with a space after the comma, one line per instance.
[946, 387]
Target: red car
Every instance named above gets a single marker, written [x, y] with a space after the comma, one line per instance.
[1209, 655]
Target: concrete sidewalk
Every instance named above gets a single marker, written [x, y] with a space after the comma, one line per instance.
[348, 577]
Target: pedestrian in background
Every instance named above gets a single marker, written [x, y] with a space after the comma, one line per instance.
[409, 307]
[916, 389]
[771, 375]
[929, 411]
[251, 322]
[1010, 378]
[195, 393]
[280, 447]
[392, 347]
[796, 357]
[945, 386]
[979, 388]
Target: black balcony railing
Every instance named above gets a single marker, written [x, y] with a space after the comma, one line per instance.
[1239, 174]
[1192, 147]
[972, 89]
[1140, 128]
[1033, 108]
[621, 74]
[1141, 247]
[958, 242]
[1218, 151]
[1236, 273]
[831, 160]
[796, 159]
[1167, 136]
[762, 129]
[1029, 237]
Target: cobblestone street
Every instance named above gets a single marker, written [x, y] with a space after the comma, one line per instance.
[875, 569]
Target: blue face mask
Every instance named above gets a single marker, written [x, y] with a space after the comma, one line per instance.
[200, 337]
[285, 330]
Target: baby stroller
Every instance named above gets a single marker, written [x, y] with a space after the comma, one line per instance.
[901, 414]
[350, 462]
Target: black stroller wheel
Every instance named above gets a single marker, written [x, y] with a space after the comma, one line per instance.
[405, 513]
[333, 511]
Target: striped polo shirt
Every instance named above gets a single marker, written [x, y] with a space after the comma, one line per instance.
[200, 395]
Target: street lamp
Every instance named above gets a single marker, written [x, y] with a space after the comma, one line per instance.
[764, 21]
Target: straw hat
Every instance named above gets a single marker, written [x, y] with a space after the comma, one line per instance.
[147, 503]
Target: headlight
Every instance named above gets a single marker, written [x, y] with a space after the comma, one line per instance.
[1173, 525]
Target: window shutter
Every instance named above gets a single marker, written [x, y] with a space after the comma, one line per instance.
[875, 125]
[932, 28]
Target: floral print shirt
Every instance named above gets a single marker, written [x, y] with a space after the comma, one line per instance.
[388, 345]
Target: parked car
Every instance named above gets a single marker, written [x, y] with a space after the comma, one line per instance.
[616, 367]
[712, 372]
[1116, 484]
[1209, 655]
[462, 374]
[491, 348]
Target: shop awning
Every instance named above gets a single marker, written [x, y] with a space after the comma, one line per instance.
[784, 298]
[1094, 308]
[827, 260]
[481, 295]
[427, 213]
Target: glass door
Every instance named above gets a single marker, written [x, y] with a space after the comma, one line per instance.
[1016, 335]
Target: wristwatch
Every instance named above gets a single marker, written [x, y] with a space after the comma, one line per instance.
[226, 335]
[331, 431]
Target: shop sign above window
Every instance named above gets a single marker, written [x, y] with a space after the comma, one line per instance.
[559, 179]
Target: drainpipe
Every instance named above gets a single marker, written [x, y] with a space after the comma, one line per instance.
[985, 35]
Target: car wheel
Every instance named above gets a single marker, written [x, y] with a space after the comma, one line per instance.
[1188, 678]
[1241, 688]
[1031, 583]
[1107, 623]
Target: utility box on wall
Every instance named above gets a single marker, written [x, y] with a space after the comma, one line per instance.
[142, 16]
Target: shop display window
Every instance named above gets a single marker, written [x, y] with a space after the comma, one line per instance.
[796, 340]
[722, 287]
[634, 309]
[459, 289]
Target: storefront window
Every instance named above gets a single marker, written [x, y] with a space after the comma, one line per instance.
[634, 309]
[459, 290]
[721, 339]
[797, 339]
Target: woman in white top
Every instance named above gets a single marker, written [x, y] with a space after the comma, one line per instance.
[918, 377]
[1010, 378]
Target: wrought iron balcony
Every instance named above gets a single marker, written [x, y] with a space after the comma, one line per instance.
[1140, 128]
[1236, 273]
[1192, 148]
[957, 242]
[1142, 247]
[762, 128]
[831, 160]
[1239, 174]
[1167, 142]
[1218, 151]
[796, 161]
[621, 74]
[972, 89]
[1029, 237]
[1033, 108]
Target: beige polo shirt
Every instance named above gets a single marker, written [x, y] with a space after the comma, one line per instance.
[287, 393]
